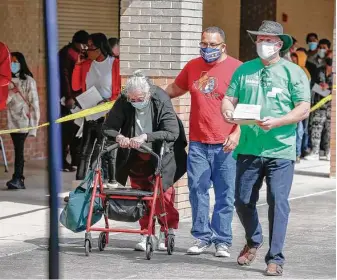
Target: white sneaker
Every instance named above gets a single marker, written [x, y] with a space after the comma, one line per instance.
[112, 186]
[328, 156]
[141, 246]
[221, 250]
[198, 247]
[161, 240]
[313, 156]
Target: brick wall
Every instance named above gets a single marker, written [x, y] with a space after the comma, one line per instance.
[227, 17]
[159, 37]
[22, 30]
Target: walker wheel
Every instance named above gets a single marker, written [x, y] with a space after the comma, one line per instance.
[170, 244]
[87, 247]
[102, 241]
[149, 248]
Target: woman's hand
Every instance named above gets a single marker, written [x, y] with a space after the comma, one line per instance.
[124, 142]
[136, 142]
[80, 58]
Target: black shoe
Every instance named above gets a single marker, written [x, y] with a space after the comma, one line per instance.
[16, 184]
[68, 168]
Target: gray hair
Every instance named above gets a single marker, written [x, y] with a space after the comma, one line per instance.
[138, 82]
[215, 29]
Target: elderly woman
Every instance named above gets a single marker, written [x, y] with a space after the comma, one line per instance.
[144, 114]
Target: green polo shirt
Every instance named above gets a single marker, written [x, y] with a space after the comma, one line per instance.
[277, 88]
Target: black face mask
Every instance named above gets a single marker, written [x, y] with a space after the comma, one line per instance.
[328, 61]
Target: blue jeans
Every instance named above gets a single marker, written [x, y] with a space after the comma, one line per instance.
[206, 164]
[249, 178]
[299, 138]
[306, 137]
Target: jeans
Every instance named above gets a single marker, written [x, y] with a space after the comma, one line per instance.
[19, 148]
[249, 178]
[306, 137]
[299, 138]
[206, 164]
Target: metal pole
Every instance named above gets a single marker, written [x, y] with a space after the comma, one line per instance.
[54, 140]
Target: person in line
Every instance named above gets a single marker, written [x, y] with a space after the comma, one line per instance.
[109, 158]
[67, 59]
[114, 44]
[267, 149]
[212, 141]
[100, 70]
[5, 74]
[312, 42]
[22, 111]
[288, 55]
[300, 58]
[318, 59]
[144, 114]
[321, 118]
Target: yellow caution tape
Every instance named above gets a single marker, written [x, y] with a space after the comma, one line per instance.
[84, 113]
[108, 105]
[321, 103]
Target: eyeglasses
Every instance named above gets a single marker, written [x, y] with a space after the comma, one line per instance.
[137, 99]
[211, 45]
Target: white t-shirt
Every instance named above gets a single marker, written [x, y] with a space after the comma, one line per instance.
[100, 76]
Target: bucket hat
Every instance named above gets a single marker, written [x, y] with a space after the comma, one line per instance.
[273, 28]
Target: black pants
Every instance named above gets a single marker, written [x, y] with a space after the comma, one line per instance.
[19, 147]
[70, 143]
[92, 131]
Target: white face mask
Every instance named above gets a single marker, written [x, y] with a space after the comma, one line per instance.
[321, 53]
[266, 50]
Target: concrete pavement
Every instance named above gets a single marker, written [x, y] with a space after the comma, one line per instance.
[310, 245]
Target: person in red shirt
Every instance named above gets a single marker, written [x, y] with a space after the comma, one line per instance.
[67, 60]
[5, 74]
[212, 140]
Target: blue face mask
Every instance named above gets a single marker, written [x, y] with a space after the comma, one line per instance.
[140, 105]
[15, 67]
[210, 55]
[312, 46]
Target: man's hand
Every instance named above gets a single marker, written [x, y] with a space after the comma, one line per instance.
[124, 142]
[136, 142]
[232, 141]
[228, 115]
[324, 86]
[70, 103]
[268, 123]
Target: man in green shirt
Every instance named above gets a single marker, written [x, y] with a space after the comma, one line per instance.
[267, 148]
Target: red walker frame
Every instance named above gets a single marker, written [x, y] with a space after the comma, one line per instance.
[158, 192]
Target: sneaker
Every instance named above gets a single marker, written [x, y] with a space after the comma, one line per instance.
[312, 156]
[298, 159]
[162, 239]
[328, 156]
[67, 167]
[274, 269]
[198, 247]
[16, 184]
[161, 242]
[221, 250]
[247, 255]
[112, 185]
[141, 246]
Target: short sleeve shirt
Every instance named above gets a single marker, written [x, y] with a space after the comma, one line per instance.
[277, 88]
[207, 85]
